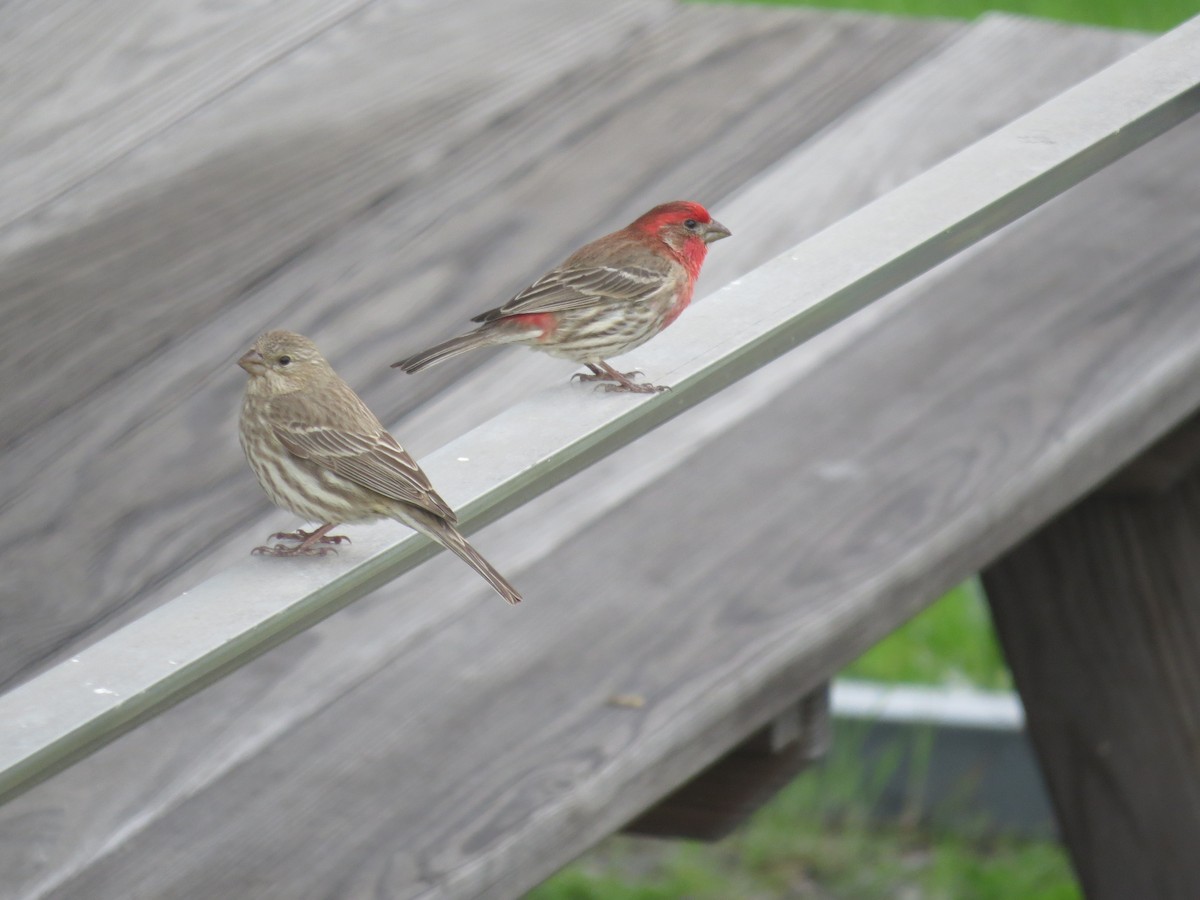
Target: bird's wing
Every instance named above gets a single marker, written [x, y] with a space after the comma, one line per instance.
[368, 456]
[579, 287]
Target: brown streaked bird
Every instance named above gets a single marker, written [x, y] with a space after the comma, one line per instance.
[320, 453]
[607, 298]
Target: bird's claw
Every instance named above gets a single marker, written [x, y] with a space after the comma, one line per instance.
[604, 376]
[285, 550]
[299, 535]
[613, 381]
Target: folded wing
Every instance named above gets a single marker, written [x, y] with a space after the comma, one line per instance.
[571, 288]
[356, 446]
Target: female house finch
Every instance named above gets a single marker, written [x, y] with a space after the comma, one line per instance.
[608, 297]
[321, 454]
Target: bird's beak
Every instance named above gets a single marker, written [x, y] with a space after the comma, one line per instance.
[253, 362]
[714, 231]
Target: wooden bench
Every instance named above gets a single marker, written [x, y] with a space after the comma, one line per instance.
[429, 742]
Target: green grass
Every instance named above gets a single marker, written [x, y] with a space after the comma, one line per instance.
[824, 865]
[1145, 15]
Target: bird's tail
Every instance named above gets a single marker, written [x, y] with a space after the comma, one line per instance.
[453, 540]
[464, 343]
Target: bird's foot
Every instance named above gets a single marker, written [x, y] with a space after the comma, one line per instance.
[617, 382]
[316, 549]
[312, 543]
[300, 535]
[605, 376]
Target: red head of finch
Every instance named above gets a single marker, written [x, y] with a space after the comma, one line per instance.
[320, 453]
[607, 298]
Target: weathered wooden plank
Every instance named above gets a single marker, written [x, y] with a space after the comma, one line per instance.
[896, 448]
[942, 481]
[1099, 615]
[253, 214]
[362, 296]
[198, 218]
[988, 76]
[87, 82]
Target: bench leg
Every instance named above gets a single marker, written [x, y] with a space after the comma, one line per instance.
[1099, 616]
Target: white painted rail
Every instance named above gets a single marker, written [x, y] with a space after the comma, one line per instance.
[189, 642]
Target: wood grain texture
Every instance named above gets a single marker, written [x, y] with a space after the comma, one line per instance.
[1099, 616]
[991, 74]
[200, 217]
[175, 432]
[961, 457]
[363, 230]
[743, 605]
[87, 82]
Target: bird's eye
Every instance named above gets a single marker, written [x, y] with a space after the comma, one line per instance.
[690, 224]
[285, 360]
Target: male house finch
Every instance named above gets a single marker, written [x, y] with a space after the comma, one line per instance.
[608, 297]
[321, 454]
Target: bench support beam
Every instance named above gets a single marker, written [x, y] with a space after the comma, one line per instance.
[734, 787]
[1099, 616]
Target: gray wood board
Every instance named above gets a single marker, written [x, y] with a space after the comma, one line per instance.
[189, 770]
[87, 82]
[193, 220]
[484, 752]
[120, 480]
